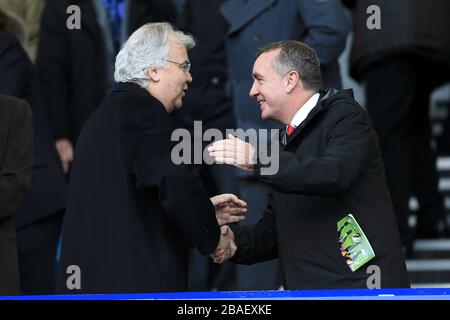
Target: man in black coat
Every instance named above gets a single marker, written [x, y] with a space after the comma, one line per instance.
[132, 213]
[39, 219]
[16, 155]
[76, 65]
[329, 166]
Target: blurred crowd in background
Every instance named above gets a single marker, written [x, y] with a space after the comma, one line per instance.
[399, 55]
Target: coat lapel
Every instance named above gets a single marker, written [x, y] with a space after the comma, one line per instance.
[317, 110]
[238, 16]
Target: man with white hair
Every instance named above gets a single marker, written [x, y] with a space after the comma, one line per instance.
[132, 213]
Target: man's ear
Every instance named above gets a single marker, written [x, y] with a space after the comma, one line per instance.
[291, 80]
[154, 74]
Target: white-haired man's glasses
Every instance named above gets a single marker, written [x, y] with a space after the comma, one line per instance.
[186, 65]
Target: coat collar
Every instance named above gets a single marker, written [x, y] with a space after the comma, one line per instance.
[320, 108]
[129, 87]
[238, 16]
[133, 89]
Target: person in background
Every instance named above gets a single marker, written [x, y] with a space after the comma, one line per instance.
[76, 66]
[39, 219]
[412, 51]
[16, 155]
[30, 12]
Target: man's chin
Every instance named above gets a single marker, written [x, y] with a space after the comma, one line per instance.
[175, 107]
[264, 116]
[178, 105]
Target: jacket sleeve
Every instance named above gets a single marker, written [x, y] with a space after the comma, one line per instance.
[53, 67]
[349, 147]
[15, 172]
[146, 139]
[327, 26]
[257, 243]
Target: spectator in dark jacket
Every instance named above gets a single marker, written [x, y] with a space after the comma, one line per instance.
[16, 138]
[76, 66]
[400, 64]
[39, 219]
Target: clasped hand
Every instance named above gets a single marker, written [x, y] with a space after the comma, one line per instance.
[229, 209]
[226, 247]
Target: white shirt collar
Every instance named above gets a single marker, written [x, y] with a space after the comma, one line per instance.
[304, 110]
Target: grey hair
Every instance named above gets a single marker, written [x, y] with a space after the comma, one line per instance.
[296, 56]
[147, 48]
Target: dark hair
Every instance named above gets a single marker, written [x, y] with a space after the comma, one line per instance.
[12, 25]
[296, 56]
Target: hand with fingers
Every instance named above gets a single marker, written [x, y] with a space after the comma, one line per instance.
[226, 247]
[65, 152]
[233, 151]
[229, 208]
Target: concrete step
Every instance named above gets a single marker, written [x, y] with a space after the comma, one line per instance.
[430, 266]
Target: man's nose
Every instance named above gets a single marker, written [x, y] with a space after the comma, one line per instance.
[188, 77]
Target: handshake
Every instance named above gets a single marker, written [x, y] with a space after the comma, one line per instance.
[229, 209]
[226, 248]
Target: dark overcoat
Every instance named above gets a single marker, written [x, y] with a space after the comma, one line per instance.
[329, 167]
[132, 214]
[48, 190]
[16, 155]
